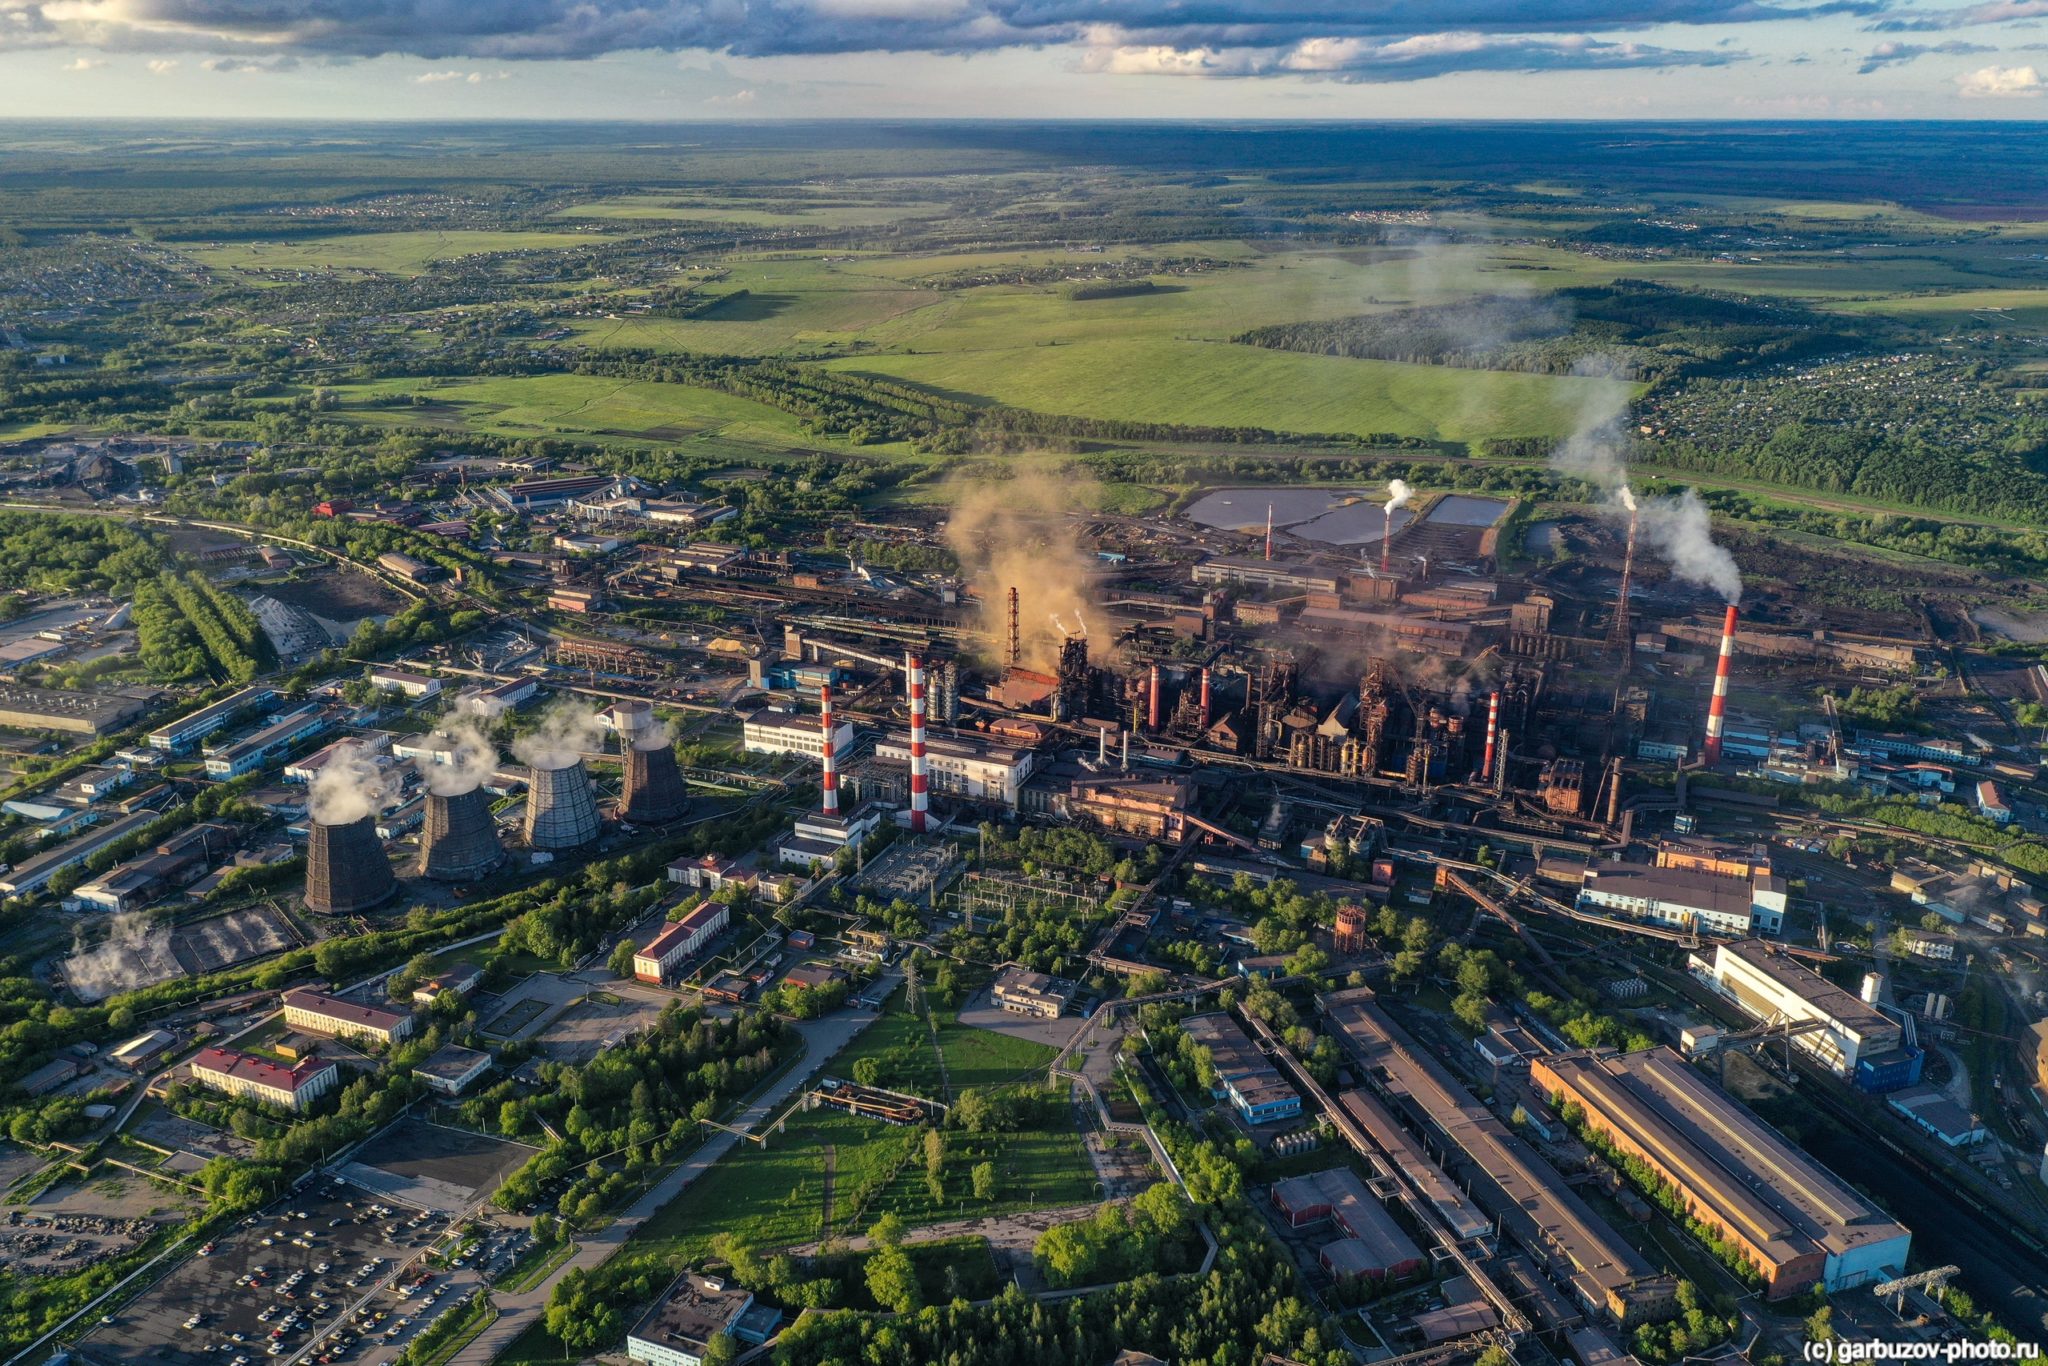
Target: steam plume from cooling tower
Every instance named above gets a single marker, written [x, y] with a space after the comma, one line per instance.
[568, 730]
[1678, 528]
[472, 758]
[350, 786]
[1016, 533]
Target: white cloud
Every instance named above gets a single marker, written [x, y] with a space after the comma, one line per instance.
[738, 97]
[2001, 83]
[160, 65]
[85, 64]
[466, 77]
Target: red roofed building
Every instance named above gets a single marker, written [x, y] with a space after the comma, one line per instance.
[253, 1078]
[318, 1013]
[678, 940]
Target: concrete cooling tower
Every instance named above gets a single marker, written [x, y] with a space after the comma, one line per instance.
[346, 870]
[459, 841]
[561, 810]
[654, 792]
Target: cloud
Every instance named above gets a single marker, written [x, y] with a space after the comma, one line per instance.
[739, 98]
[1990, 12]
[1358, 40]
[2001, 82]
[1890, 53]
[160, 65]
[85, 64]
[252, 65]
[466, 77]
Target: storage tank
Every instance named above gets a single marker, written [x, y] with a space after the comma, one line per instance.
[346, 870]
[561, 810]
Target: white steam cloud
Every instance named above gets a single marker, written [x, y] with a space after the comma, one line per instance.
[350, 786]
[1398, 494]
[472, 758]
[568, 730]
[1679, 529]
[135, 953]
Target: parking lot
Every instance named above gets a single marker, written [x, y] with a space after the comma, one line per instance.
[277, 1281]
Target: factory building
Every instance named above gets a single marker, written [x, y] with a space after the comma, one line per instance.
[1793, 1219]
[318, 1013]
[1298, 575]
[1022, 992]
[413, 685]
[452, 1069]
[774, 731]
[1686, 899]
[1526, 1194]
[679, 939]
[251, 1078]
[74, 713]
[255, 750]
[1374, 1246]
[1402, 1153]
[33, 874]
[1243, 1074]
[817, 837]
[679, 1329]
[1859, 1042]
[963, 766]
[189, 730]
[1145, 806]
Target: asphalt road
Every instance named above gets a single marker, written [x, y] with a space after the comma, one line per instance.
[519, 1311]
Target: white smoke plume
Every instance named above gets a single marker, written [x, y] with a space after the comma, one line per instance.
[1679, 529]
[568, 730]
[350, 786]
[1398, 494]
[135, 953]
[472, 757]
[658, 733]
[1017, 532]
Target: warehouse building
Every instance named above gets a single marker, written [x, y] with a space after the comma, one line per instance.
[679, 1329]
[452, 1069]
[189, 730]
[1298, 575]
[74, 713]
[252, 1078]
[1526, 1194]
[1374, 1246]
[1858, 1042]
[1940, 1117]
[318, 1013]
[1401, 1152]
[1793, 1219]
[1687, 899]
[678, 939]
[1243, 1074]
[31, 875]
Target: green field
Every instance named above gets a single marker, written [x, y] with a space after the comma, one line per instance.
[580, 404]
[982, 1057]
[392, 253]
[682, 208]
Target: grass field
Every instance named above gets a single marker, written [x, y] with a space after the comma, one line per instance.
[393, 253]
[981, 1057]
[683, 208]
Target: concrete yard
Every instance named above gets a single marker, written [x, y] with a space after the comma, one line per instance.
[577, 1035]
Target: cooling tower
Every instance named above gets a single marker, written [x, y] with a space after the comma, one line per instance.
[561, 811]
[459, 841]
[654, 785]
[346, 870]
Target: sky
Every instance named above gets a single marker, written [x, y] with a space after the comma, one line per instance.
[1217, 59]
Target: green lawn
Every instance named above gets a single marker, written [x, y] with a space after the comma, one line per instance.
[981, 1057]
[683, 208]
[394, 253]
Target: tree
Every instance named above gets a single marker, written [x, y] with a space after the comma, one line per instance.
[983, 1174]
[580, 1315]
[621, 961]
[935, 1164]
[892, 1279]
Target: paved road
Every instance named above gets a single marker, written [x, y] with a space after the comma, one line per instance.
[517, 1312]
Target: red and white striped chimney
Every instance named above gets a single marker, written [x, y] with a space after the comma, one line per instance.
[1205, 698]
[1152, 702]
[830, 780]
[1269, 531]
[1492, 730]
[1717, 710]
[919, 800]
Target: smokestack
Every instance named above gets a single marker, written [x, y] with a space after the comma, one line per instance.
[1016, 642]
[1623, 642]
[1492, 731]
[1152, 703]
[561, 811]
[459, 840]
[830, 780]
[1205, 697]
[919, 800]
[1387, 536]
[346, 870]
[1269, 531]
[654, 793]
[1717, 710]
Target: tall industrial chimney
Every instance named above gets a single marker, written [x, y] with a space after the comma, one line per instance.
[561, 810]
[1205, 698]
[1152, 702]
[1015, 648]
[919, 800]
[1492, 731]
[1269, 531]
[830, 776]
[459, 840]
[1717, 710]
[346, 870]
[1387, 536]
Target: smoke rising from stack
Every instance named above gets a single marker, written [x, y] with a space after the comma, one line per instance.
[472, 758]
[568, 730]
[120, 962]
[1398, 494]
[1016, 532]
[1679, 528]
[350, 786]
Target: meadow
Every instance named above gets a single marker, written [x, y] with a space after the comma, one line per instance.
[393, 253]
